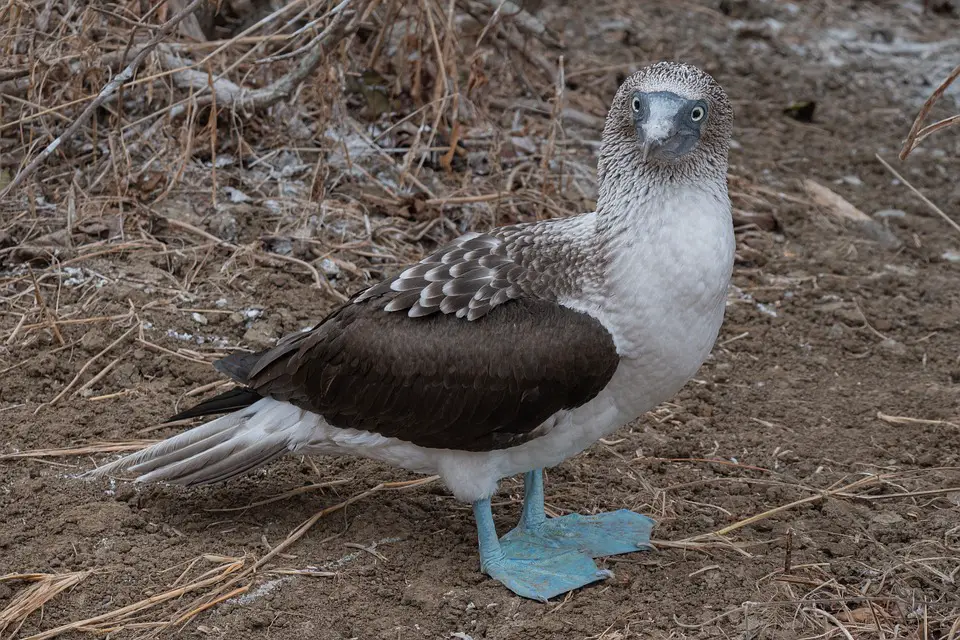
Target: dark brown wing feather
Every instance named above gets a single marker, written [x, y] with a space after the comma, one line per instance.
[231, 400]
[438, 381]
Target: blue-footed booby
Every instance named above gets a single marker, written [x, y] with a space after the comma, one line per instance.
[509, 351]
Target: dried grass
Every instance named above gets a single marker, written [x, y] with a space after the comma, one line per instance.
[918, 131]
[86, 450]
[43, 588]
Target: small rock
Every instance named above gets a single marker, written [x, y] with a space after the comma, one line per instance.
[886, 518]
[224, 226]
[849, 316]
[894, 348]
[280, 245]
[329, 267]
[199, 318]
[93, 341]
[479, 162]
[124, 492]
[836, 331]
[851, 180]
[236, 196]
[261, 335]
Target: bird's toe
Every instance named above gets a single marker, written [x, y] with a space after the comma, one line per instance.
[545, 575]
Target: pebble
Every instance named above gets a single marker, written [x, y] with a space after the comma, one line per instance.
[894, 348]
[886, 518]
[260, 336]
[330, 267]
[836, 331]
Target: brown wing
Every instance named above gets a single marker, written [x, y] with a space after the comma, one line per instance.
[438, 381]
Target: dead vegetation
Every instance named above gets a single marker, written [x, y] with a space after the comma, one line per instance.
[333, 141]
[919, 131]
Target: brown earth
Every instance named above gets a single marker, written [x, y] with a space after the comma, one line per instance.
[839, 362]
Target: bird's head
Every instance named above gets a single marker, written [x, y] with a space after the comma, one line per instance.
[669, 117]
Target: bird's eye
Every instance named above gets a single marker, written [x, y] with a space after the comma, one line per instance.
[637, 105]
[697, 114]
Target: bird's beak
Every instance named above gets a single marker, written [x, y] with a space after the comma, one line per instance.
[660, 125]
[661, 133]
[648, 147]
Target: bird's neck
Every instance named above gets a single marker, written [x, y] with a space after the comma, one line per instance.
[634, 201]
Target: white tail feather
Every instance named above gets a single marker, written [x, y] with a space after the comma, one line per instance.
[220, 449]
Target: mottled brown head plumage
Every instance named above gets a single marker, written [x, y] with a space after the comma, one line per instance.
[621, 154]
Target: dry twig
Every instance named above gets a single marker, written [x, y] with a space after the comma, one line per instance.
[916, 132]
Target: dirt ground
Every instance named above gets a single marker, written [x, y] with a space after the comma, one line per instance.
[835, 383]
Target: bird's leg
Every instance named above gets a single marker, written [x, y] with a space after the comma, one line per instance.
[603, 534]
[533, 515]
[490, 551]
[529, 569]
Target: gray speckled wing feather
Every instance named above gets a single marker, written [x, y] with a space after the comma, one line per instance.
[467, 278]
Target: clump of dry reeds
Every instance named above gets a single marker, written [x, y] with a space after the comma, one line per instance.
[117, 112]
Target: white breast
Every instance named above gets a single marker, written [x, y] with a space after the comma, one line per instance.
[663, 303]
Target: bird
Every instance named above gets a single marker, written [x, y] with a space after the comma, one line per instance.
[508, 351]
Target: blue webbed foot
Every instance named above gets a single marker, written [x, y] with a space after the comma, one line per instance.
[544, 574]
[529, 568]
[604, 534]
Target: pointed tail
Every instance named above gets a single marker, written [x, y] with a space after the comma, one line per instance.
[220, 449]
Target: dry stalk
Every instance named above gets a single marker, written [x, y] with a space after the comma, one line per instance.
[97, 447]
[844, 491]
[937, 210]
[113, 618]
[87, 365]
[916, 132]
